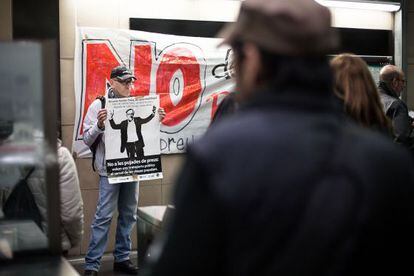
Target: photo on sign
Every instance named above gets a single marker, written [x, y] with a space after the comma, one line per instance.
[128, 130]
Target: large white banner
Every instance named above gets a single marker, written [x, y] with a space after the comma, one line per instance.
[190, 75]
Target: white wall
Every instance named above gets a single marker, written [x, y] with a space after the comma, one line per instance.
[362, 19]
[6, 24]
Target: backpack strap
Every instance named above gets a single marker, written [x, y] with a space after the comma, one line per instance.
[99, 138]
[103, 100]
[29, 173]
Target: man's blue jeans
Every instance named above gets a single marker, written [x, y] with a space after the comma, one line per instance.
[125, 196]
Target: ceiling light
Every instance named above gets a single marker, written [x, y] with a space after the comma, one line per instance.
[361, 5]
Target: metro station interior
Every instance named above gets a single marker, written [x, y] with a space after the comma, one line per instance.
[47, 79]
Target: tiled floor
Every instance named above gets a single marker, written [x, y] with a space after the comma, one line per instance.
[106, 266]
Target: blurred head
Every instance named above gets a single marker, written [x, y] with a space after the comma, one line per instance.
[354, 85]
[130, 114]
[122, 81]
[271, 33]
[393, 77]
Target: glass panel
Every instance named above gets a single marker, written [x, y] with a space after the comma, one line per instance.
[21, 127]
[22, 150]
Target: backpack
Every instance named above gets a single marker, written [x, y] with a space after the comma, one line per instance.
[99, 138]
[21, 203]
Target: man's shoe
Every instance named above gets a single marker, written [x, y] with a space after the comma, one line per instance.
[126, 267]
[90, 272]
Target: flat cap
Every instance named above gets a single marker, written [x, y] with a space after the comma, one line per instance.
[287, 27]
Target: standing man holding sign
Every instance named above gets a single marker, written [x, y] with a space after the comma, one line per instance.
[123, 195]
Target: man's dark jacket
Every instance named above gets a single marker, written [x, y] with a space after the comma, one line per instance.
[397, 111]
[288, 186]
[123, 126]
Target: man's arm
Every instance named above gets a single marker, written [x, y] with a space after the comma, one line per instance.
[92, 123]
[115, 125]
[401, 123]
[112, 122]
[147, 119]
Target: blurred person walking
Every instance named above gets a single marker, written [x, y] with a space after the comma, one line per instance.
[356, 90]
[288, 186]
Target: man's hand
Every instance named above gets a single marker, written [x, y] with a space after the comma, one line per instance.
[102, 115]
[161, 113]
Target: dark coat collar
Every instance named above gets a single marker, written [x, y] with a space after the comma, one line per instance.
[383, 88]
[295, 99]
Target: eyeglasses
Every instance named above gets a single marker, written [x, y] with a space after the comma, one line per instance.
[127, 82]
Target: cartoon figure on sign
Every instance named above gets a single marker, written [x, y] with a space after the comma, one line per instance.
[131, 136]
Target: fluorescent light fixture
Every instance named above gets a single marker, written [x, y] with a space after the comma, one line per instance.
[361, 5]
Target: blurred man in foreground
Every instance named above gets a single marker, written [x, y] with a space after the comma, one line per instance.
[288, 186]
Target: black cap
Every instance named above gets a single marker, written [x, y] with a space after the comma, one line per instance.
[122, 73]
